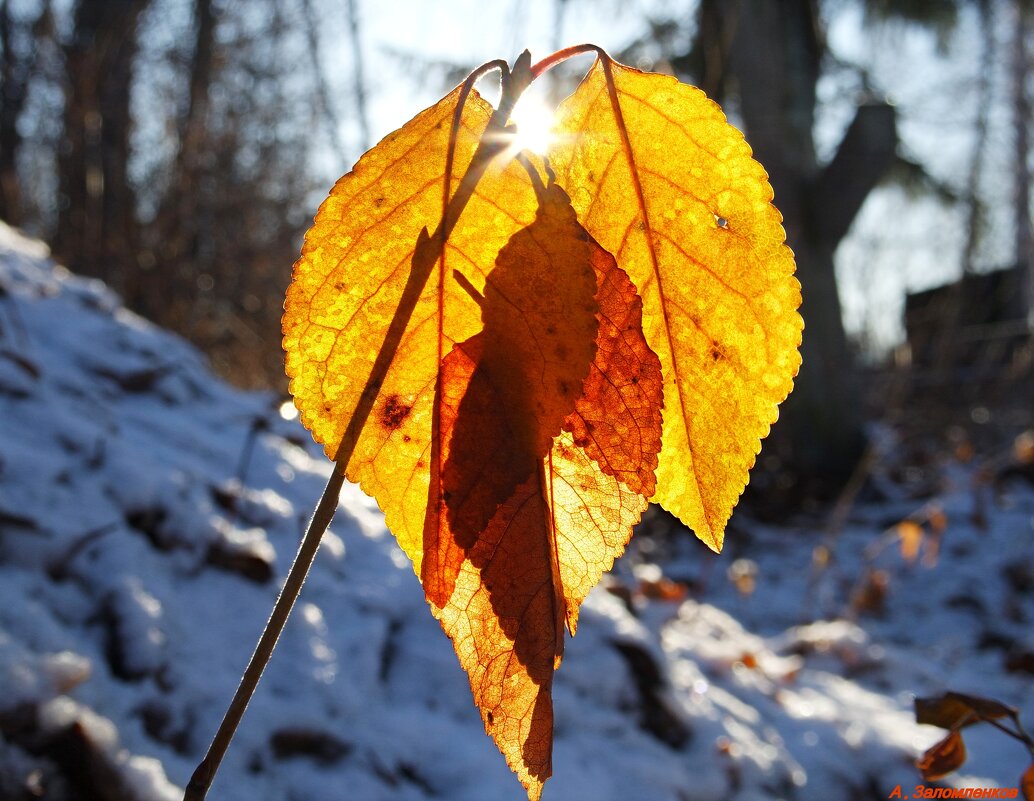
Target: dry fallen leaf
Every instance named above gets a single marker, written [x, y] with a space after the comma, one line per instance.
[871, 594]
[937, 519]
[1023, 448]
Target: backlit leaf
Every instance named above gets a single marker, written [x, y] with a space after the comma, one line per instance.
[359, 264]
[540, 325]
[503, 574]
[663, 182]
[602, 467]
[462, 341]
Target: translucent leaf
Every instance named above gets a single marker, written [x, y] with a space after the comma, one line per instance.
[667, 186]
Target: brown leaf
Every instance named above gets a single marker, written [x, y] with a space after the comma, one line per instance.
[955, 710]
[1023, 448]
[663, 589]
[943, 757]
[871, 595]
[938, 520]
[515, 536]
[1027, 783]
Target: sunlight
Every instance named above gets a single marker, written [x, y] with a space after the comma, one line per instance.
[534, 121]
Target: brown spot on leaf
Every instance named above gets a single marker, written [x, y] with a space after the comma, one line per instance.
[393, 412]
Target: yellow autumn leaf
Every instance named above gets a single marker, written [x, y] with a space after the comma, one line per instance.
[663, 182]
[447, 344]
[359, 263]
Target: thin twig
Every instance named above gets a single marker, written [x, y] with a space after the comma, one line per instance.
[1005, 730]
[1024, 737]
[202, 778]
[360, 80]
[428, 250]
[330, 115]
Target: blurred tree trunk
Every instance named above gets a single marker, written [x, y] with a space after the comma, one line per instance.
[946, 349]
[974, 220]
[770, 55]
[13, 85]
[17, 64]
[1021, 119]
[175, 233]
[97, 215]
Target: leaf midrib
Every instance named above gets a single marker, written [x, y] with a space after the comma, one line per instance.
[626, 147]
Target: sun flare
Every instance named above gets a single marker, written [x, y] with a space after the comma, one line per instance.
[533, 120]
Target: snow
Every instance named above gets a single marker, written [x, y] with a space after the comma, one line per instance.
[137, 568]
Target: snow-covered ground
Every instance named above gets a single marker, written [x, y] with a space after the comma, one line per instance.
[141, 548]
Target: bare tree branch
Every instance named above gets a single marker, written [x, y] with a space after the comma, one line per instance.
[328, 109]
[360, 80]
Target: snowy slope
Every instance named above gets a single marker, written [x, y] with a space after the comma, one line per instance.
[136, 572]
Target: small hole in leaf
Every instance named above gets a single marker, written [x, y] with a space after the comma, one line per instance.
[722, 222]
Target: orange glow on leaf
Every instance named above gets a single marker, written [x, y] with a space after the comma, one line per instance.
[514, 364]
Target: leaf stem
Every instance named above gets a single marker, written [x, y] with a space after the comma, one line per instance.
[1005, 730]
[514, 82]
[561, 56]
[1022, 733]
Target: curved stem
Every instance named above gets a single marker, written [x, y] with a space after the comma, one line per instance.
[450, 155]
[514, 82]
[561, 56]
